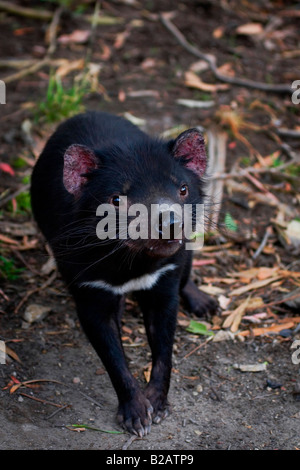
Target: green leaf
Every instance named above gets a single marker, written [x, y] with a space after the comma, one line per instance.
[91, 428]
[198, 328]
[8, 270]
[230, 222]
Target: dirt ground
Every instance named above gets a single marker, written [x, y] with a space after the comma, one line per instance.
[214, 404]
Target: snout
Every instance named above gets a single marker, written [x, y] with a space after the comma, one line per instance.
[168, 225]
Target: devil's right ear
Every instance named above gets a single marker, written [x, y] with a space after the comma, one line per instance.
[79, 160]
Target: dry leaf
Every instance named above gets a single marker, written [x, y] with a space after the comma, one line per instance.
[226, 69]
[256, 318]
[234, 319]
[254, 285]
[222, 336]
[265, 273]
[250, 29]
[203, 262]
[213, 290]
[269, 329]
[68, 67]
[5, 239]
[246, 274]
[192, 80]
[121, 38]
[147, 373]
[218, 32]
[199, 66]
[224, 301]
[251, 367]
[78, 36]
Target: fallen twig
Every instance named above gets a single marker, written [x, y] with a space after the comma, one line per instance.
[21, 258]
[288, 133]
[263, 243]
[34, 13]
[41, 400]
[52, 31]
[197, 347]
[6, 199]
[259, 197]
[281, 88]
[28, 71]
[244, 173]
[276, 302]
[46, 60]
[130, 441]
[57, 411]
[16, 63]
[34, 291]
[33, 381]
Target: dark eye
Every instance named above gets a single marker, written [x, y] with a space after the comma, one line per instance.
[183, 190]
[115, 200]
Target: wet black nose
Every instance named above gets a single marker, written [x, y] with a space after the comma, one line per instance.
[169, 226]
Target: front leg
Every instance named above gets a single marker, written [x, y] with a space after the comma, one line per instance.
[99, 313]
[159, 307]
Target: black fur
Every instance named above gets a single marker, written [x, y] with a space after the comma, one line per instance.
[144, 169]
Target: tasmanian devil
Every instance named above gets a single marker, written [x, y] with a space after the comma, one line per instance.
[98, 160]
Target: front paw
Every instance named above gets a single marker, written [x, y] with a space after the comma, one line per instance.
[159, 402]
[135, 415]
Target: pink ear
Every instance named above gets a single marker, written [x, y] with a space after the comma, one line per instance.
[78, 160]
[190, 145]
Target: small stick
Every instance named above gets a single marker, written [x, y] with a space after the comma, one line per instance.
[23, 73]
[41, 400]
[6, 199]
[16, 63]
[46, 60]
[34, 291]
[288, 133]
[196, 349]
[57, 411]
[276, 302]
[21, 258]
[281, 88]
[25, 11]
[4, 295]
[130, 441]
[244, 173]
[52, 31]
[263, 243]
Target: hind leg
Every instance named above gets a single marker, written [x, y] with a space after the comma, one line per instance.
[196, 301]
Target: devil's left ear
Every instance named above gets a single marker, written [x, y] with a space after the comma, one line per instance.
[190, 146]
[79, 160]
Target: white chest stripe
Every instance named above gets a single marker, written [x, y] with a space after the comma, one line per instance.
[140, 283]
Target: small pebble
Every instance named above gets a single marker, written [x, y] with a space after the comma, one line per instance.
[36, 312]
[273, 385]
[286, 333]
